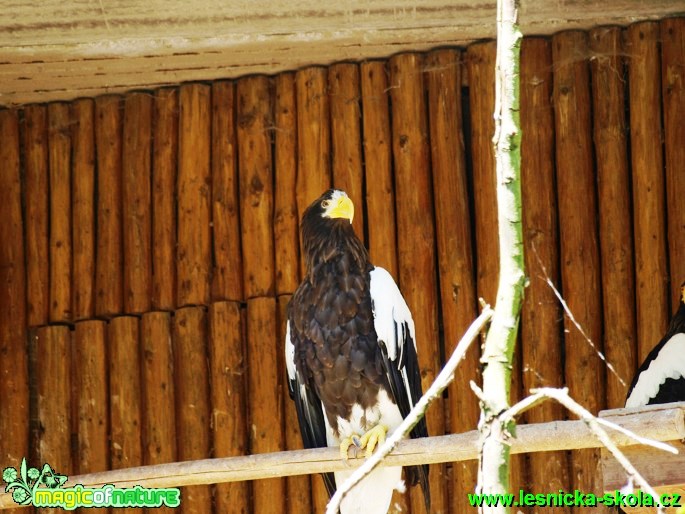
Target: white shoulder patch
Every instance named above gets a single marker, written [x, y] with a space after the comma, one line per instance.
[390, 311]
[289, 353]
[669, 363]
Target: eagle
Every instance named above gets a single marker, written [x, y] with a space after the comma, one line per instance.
[661, 377]
[350, 353]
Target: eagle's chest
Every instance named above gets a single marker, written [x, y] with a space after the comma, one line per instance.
[336, 345]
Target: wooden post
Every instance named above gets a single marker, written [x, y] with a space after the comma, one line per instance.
[137, 202]
[480, 61]
[673, 93]
[651, 268]
[227, 368]
[265, 389]
[59, 158]
[124, 394]
[89, 369]
[298, 498]
[193, 255]
[286, 222]
[541, 325]
[53, 388]
[579, 243]
[455, 256]
[192, 399]
[227, 280]
[14, 386]
[108, 264]
[164, 164]
[480, 65]
[380, 192]
[255, 117]
[83, 208]
[313, 130]
[416, 238]
[613, 192]
[36, 196]
[343, 83]
[157, 385]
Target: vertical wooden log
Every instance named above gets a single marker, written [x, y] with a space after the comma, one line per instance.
[227, 368]
[480, 61]
[615, 228]
[455, 261]
[380, 193]
[541, 327]
[89, 365]
[124, 392]
[651, 275]
[36, 196]
[673, 91]
[255, 118]
[14, 380]
[416, 238]
[286, 222]
[193, 257]
[136, 202]
[164, 163]
[227, 280]
[265, 386]
[298, 498]
[108, 264]
[157, 384]
[192, 399]
[59, 157]
[579, 242]
[53, 386]
[313, 136]
[83, 208]
[343, 83]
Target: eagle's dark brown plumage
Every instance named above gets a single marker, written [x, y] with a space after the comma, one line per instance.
[345, 379]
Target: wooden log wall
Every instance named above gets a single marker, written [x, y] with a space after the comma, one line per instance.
[150, 245]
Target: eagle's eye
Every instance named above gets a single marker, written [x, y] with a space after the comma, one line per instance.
[325, 204]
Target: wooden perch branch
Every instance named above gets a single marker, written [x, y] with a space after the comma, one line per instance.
[657, 422]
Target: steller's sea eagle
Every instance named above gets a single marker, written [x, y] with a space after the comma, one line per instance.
[661, 377]
[351, 353]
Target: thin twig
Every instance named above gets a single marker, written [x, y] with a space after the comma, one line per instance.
[439, 384]
[575, 322]
[562, 396]
[539, 395]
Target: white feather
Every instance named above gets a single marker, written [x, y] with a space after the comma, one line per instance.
[390, 313]
[289, 353]
[669, 363]
[373, 494]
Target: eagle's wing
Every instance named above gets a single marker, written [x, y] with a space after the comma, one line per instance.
[661, 378]
[395, 331]
[308, 406]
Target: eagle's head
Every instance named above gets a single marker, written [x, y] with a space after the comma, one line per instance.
[327, 228]
[334, 204]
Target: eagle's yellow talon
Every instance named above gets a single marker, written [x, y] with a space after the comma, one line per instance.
[344, 445]
[373, 438]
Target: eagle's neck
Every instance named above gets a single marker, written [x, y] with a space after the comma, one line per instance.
[338, 242]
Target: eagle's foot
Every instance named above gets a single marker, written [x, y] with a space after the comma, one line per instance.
[346, 443]
[372, 438]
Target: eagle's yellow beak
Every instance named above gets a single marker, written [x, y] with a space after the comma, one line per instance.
[341, 208]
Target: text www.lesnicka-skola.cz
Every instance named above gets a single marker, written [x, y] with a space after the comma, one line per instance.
[573, 499]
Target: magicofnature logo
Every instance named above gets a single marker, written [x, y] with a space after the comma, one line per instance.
[43, 488]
